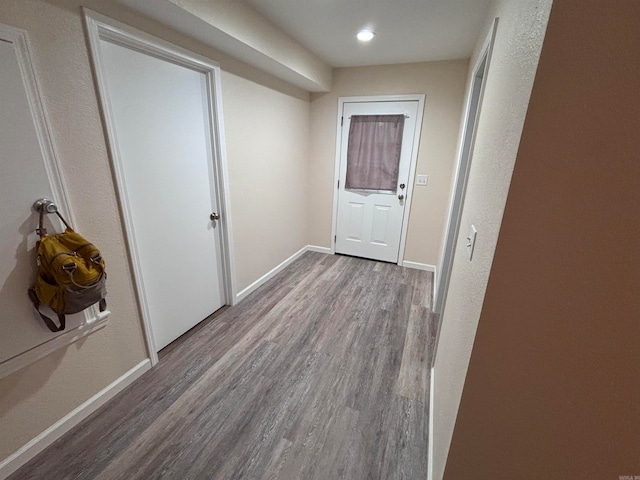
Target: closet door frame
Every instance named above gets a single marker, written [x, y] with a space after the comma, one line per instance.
[100, 27]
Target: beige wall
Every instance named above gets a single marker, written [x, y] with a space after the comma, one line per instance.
[553, 387]
[508, 85]
[267, 229]
[267, 145]
[443, 83]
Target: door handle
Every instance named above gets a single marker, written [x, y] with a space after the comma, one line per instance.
[400, 197]
[214, 216]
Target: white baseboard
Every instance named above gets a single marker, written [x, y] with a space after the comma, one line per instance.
[268, 276]
[430, 446]
[277, 269]
[315, 248]
[426, 267]
[62, 426]
[419, 266]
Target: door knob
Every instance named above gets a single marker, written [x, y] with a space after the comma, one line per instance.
[400, 197]
[214, 216]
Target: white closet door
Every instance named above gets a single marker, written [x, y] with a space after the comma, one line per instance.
[25, 176]
[164, 147]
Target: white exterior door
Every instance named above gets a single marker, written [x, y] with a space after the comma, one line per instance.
[370, 212]
[164, 160]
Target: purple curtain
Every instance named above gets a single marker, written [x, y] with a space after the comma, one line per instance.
[373, 153]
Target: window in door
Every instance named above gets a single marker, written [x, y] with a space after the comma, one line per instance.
[373, 153]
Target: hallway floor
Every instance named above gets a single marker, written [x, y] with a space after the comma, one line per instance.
[322, 373]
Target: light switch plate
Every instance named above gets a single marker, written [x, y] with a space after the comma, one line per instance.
[471, 241]
[422, 179]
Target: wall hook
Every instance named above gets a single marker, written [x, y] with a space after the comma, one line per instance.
[46, 205]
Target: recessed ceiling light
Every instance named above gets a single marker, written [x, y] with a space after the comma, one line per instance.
[365, 35]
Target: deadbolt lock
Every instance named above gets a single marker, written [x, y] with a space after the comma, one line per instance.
[402, 186]
[214, 216]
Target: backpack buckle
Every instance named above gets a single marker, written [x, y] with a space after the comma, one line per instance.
[69, 267]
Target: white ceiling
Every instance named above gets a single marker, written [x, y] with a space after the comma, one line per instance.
[299, 41]
[406, 30]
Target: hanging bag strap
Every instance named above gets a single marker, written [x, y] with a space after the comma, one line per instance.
[50, 323]
[63, 220]
[41, 230]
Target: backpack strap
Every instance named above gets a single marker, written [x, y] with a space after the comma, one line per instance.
[50, 323]
[66, 224]
[41, 230]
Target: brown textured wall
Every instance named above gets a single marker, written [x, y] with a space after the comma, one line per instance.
[553, 386]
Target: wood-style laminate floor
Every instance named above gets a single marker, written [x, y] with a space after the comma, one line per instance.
[322, 373]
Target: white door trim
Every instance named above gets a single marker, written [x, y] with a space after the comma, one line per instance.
[462, 171]
[102, 27]
[420, 98]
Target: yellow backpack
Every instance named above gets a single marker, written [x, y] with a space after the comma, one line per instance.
[71, 275]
